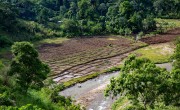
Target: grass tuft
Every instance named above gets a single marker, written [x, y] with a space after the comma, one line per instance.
[90, 76]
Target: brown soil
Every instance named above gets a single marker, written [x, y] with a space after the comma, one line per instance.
[163, 38]
[54, 51]
[82, 56]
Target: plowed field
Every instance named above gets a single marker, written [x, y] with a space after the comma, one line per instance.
[163, 38]
[83, 56]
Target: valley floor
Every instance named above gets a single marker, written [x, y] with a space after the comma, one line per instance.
[79, 57]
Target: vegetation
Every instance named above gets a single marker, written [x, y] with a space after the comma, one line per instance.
[90, 76]
[22, 85]
[39, 19]
[26, 67]
[147, 86]
[23, 82]
[159, 53]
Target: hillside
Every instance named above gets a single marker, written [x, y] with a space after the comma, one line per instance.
[61, 54]
[39, 19]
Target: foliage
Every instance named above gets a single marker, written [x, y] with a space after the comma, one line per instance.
[127, 15]
[5, 42]
[29, 72]
[160, 53]
[70, 27]
[145, 84]
[39, 19]
[172, 95]
[26, 66]
[90, 76]
[167, 8]
[176, 55]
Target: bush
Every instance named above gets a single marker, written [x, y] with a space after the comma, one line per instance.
[70, 27]
[5, 42]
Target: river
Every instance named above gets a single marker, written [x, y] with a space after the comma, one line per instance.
[91, 93]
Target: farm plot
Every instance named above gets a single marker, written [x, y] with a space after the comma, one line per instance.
[166, 37]
[83, 56]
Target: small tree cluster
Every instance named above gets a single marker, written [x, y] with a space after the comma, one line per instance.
[26, 67]
[143, 83]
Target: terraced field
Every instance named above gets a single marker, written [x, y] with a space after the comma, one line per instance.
[80, 57]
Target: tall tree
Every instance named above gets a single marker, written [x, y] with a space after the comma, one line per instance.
[26, 67]
[140, 80]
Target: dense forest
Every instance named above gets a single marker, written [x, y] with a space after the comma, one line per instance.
[38, 19]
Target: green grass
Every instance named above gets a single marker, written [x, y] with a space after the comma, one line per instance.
[54, 40]
[58, 40]
[159, 53]
[121, 104]
[171, 23]
[90, 76]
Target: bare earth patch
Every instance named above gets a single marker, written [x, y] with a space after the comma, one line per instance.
[79, 57]
[166, 37]
[82, 56]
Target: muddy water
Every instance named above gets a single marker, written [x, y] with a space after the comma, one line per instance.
[90, 93]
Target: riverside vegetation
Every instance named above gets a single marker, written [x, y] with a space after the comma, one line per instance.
[142, 85]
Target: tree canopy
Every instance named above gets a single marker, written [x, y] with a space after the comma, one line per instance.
[145, 84]
[26, 67]
[93, 17]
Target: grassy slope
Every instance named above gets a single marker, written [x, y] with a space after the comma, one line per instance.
[159, 53]
[172, 23]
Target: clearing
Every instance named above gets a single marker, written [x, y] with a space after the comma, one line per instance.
[157, 53]
[82, 56]
[78, 57]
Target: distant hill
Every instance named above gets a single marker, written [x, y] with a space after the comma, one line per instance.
[38, 19]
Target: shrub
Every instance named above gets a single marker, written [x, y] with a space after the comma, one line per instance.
[5, 42]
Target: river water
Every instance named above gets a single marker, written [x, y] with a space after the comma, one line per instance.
[91, 93]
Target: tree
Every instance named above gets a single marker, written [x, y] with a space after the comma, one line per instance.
[26, 67]
[126, 8]
[4, 42]
[72, 10]
[172, 95]
[70, 27]
[176, 55]
[102, 8]
[140, 80]
[43, 16]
